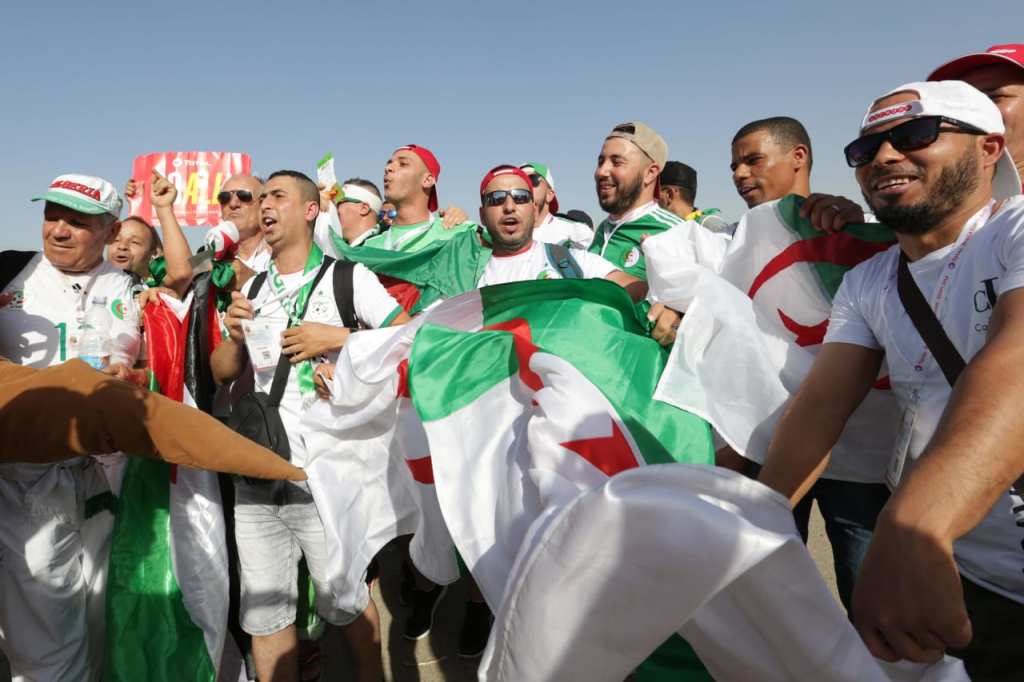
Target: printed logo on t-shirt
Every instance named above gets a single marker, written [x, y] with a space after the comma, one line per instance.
[985, 297]
[13, 300]
[632, 257]
[118, 308]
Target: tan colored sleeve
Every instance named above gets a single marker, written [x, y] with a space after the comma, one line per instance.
[51, 414]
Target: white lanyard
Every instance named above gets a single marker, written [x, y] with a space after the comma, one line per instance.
[949, 271]
[393, 243]
[627, 217]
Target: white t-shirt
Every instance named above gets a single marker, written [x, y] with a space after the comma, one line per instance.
[259, 260]
[374, 307]
[558, 230]
[867, 312]
[533, 263]
[41, 315]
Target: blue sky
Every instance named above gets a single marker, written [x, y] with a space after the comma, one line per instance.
[88, 86]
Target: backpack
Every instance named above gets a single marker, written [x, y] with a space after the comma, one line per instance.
[256, 415]
[12, 263]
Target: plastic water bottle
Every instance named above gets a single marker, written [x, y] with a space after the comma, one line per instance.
[92, 345]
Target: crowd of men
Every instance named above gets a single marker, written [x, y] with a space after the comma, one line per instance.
[927, 533]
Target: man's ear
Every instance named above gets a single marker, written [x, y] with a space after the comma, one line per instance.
[312, 210]
[801, 155]
[428, 181]
[651, 174]
[992, 148]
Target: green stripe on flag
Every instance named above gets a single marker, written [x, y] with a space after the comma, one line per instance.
[150, 635]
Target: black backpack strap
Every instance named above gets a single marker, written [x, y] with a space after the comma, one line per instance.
[562, 260]
[284, 365]
[257, 284]
[11, 263]
[928, 326]
[344, 293]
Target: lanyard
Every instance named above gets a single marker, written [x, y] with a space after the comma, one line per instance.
[949, 271]
[393, 243]
[627, 217]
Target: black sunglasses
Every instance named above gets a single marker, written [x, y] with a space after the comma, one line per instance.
[498, 196]
[244, 195]
[915, 134]
[535, 178]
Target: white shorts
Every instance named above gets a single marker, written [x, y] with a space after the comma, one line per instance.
[271, 539]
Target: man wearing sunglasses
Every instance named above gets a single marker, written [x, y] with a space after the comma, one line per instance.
[239, 203]
[944, 308]
[551, 228]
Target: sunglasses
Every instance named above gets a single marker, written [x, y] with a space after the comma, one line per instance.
[535, 179]
[391, 214]
[498, 196]
[915, 134]
[244, 195]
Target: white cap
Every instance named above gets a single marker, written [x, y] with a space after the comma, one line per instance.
[959, 101]
[83, 193]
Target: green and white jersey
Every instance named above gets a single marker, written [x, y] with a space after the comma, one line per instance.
[619, 241]
[414, 237]
[558, 230]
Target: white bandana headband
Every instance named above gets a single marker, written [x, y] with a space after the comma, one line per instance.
[361, 194]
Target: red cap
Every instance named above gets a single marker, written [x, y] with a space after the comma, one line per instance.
[430, 161]
[997, 54]
[504, 169]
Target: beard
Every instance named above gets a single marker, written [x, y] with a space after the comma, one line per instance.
[625, 197]
[956, 181]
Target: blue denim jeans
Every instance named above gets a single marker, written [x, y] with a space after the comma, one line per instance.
[850, 511]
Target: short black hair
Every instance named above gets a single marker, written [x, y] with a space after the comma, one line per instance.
[365, 184]
[786, 131]
[307, 188]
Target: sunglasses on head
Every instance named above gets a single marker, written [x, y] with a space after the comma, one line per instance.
[244, 195]
[498, 196]
[915, 134]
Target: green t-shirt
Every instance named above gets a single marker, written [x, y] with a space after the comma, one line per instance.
[409, 238]
[620, 243]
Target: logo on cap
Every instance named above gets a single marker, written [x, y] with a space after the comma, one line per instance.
[90, 192]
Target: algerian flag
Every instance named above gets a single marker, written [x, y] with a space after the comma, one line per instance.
[167, 590]
[418, 279]
[538, 391]
[755, 318]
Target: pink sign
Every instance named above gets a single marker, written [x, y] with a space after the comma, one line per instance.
[198, 176]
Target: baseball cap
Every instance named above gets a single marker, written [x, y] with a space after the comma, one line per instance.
[430, 161]
[545, 172]
[504, 169]
[648, 141]
[997, 54]
[83, 193]
[678, 174]
[959, 101]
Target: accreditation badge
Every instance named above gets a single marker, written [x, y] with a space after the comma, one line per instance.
[901, 447]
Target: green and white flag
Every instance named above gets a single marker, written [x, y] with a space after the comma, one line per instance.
[542, 390]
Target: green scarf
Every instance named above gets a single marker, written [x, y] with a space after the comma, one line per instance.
[297, 304]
